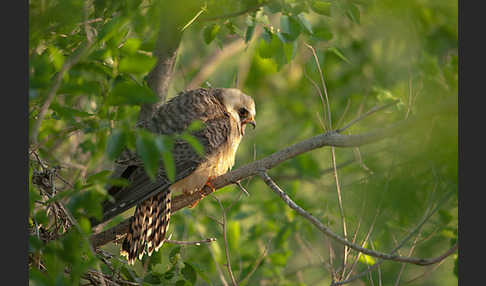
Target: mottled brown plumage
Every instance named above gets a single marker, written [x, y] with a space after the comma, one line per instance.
[224, 113]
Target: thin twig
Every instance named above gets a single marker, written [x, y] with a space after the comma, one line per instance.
[203, 9]
[384, 256]
[218, 269]
[426, 272]
[410, 252]
[321, 74]
[333, 158]
[341, 119]
[198, 242]
[257, 263]
[379, 267]
[226, 247]
[365, 240]
[417, 228]
[242, 189]
[369, 112]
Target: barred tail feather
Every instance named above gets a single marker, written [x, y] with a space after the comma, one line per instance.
[148, 227]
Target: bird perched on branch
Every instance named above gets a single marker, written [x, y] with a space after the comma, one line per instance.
[224, 113]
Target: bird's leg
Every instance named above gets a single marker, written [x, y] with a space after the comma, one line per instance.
[209, 184]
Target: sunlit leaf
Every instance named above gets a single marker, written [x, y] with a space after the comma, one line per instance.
[321, 7]
[131, 94]
[136, 63]
[210, 33]
[131, 46]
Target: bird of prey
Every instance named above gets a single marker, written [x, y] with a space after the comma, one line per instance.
[224, 113]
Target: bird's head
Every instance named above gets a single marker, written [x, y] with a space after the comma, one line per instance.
[240, 106]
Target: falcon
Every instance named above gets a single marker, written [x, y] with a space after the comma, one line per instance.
[224, 113]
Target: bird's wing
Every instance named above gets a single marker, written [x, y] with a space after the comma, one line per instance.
[172, 118]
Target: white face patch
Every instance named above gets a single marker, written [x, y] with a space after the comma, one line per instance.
[234, 99]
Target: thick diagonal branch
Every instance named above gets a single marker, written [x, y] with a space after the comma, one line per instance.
[269, 162]
[166, 47]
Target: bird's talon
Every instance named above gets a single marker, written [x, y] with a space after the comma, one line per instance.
[210, 184]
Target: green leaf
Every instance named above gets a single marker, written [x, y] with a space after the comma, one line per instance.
[249, 33]
[202, 273]
[279, 258]
[322, 32]
[281, 240]
[136, 63]
[321, 7]
[56, 56]
[67, 112]
[169, 165]
[290, 50]
[183, 283]
[101, 176]
[147, 150]
[233, 29]
[164, 145]
[339, 54]
[267, 35]
[234, 231]
[189, 273]
[131, 46]
[115, 144]
[85, 225]
[210, 32]
[290, 27]
[366, 259]
[198, 147]
[277, 49]
[353, 13]
[445, 217]
[273, 6]
[305, 23]
[265, 50]
[174, 255]
[299, 7]
[152, 279]
[129, 93]
[456, 266]
[195, 125]
[86, 203]
[111, 29]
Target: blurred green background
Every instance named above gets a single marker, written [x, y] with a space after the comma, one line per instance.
[371, 53]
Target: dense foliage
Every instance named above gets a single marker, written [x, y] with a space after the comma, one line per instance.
[371, 53]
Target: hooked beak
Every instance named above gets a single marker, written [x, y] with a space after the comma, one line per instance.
[247, 121]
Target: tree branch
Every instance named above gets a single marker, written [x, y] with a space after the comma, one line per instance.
[417, 228]
[269, 162]
[328, 232]
[166, 47]
[197, 243]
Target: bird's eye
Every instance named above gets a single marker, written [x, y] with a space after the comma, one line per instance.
[243, 113]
